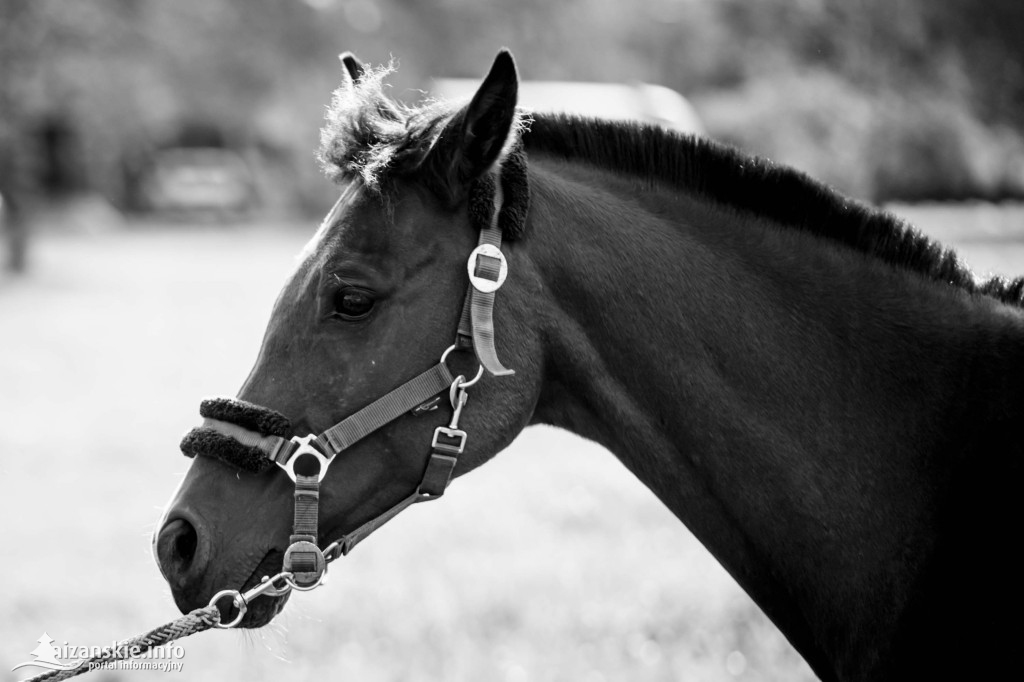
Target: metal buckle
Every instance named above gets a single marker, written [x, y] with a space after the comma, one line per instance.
[454, 434]
[303, 581]
[483, 284]
[241, 600]
[305, 448]
[237, 600]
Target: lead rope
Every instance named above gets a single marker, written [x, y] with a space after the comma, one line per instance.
[189, 624]
[305, 564]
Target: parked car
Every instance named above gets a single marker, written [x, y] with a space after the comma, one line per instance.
[198, 180]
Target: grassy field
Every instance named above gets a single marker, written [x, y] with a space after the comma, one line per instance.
[579, 574]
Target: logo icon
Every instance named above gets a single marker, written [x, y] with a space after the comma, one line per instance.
[125, 655]
[46, 656]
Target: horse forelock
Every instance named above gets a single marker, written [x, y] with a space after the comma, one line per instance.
[369, 135]
[369, 139]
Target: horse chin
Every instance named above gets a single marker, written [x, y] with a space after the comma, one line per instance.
[260, 611]
[263, 609]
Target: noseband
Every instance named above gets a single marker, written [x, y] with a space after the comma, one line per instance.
[253, 437]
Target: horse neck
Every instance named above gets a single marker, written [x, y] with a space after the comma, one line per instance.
[798, 405]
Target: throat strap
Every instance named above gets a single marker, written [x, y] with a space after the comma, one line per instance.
[345, 543]
[444, 456]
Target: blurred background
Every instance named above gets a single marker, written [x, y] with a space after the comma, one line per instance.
[157, 178]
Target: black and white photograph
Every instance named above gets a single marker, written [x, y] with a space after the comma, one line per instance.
[699, 324]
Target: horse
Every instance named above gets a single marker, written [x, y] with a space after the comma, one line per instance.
[829, 400]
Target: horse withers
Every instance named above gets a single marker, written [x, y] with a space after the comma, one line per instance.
[826, 398]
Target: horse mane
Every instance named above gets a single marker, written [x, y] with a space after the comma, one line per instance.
[369, 135]
[747, 183]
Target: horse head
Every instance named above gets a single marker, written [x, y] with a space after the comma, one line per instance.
[375, 300]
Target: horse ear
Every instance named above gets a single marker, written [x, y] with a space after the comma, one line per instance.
[353, 66]
[475, 137]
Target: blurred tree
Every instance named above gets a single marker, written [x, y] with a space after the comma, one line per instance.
[120, 77]
[16, 40]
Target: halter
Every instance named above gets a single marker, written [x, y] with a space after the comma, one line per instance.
[306, 459]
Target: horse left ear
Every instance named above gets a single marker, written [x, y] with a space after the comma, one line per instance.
[353, 67]
[475, 137]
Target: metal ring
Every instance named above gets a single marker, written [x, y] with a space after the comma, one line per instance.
[300, 588]
[479, 371]
[305, 447]
[274, 590]
[329, 550]
[449, 349]
[467, 384]
[237, 600]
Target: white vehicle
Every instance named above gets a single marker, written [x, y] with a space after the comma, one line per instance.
[202, 179]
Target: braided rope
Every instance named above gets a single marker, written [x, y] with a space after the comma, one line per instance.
[189, 624]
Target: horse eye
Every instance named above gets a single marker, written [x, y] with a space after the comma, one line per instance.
[352, 304]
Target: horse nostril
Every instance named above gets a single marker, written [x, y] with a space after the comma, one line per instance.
[176, 549]
[185, 543]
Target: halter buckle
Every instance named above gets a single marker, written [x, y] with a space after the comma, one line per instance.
[305, 447]
[306, 565]
[457, 438]
[480, 282]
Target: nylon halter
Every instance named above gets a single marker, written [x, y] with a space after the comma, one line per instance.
[487, 269]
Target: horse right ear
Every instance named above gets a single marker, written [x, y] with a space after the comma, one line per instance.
[477, 135]
[353, 67]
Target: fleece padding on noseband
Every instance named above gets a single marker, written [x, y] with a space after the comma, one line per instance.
[257, 418]
[212, 443]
